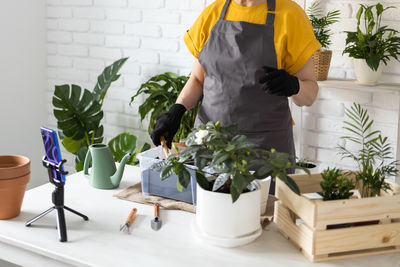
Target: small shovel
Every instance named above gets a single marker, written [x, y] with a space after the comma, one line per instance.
[156, 223]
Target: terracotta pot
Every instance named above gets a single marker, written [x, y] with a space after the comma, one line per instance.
[14, 166]
[13, 184]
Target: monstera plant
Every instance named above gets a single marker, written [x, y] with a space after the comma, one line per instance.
[79, 113]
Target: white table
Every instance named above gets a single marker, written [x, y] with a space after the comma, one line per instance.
[98, 242]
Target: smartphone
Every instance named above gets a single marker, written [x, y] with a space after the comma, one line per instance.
[52, 150]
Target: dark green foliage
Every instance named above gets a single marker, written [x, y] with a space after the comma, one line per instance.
[161, 93]
[336, 185]
[123, 144]
[321, 23]
[224, 161]
[374, 157]
[79, 114]
[376, 43]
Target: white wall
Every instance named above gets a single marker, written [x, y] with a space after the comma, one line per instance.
[23, 81]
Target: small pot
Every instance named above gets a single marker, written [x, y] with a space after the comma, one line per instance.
[14, 176]
[224, 222]
[265, 185]
[364, 74]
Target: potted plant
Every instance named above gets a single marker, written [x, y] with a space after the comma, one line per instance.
[79, 113]
[374, 157]
[372, 45]
[304, 163]
[336, 185]
[228, 191]
[322, 58]
[161, 92]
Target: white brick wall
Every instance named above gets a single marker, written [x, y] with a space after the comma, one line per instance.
[83, 36]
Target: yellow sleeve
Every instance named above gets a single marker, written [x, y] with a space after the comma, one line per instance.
[300, 42]
[196, 37]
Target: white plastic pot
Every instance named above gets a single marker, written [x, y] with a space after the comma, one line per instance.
[365, 75]
[265, 185]
[220, 222]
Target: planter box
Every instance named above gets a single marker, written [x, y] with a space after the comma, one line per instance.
[336, 229]
[151, 181]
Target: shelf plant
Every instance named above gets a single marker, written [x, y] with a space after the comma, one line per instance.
[161, 92]
[79, 114]
[374, 157]
[371, 44]
[336, 184]
[321, 24]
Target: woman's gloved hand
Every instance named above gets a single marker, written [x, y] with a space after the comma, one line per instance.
[279, 82]
[167, 124]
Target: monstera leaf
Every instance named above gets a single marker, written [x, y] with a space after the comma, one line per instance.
[80, 158]
[77, 114]
[104, 80]
[123, 144]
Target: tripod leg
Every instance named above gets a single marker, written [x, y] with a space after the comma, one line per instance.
[62, 229]
[77, 213]
[28, 223]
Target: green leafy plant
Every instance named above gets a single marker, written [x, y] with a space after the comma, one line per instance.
[377, 43]
[125, 143]
[79, 114]
[321, 23]
[374, 156]
[336, 185]
[224, 161]
[161, 93]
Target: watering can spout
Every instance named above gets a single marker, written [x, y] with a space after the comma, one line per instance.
[116, 178]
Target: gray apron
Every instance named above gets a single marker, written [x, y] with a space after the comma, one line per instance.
[232, 59]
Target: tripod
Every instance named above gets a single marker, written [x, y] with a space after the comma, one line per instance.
[58, 200]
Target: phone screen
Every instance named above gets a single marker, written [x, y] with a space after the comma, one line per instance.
[52, 150]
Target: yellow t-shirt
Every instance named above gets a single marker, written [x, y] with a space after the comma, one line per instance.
[295, 41]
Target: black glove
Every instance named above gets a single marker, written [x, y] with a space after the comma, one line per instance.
[167, 124]
[279, 82]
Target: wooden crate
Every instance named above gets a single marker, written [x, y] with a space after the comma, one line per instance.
[364, 226]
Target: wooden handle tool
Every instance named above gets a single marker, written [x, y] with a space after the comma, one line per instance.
[156, 223]
[126, 226]
[164, 146]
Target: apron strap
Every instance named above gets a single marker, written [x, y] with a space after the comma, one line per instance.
[270, 12]
[224, 9]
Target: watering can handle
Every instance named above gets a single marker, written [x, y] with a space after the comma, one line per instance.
[86, 164]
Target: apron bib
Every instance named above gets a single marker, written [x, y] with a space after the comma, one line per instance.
[232, 59]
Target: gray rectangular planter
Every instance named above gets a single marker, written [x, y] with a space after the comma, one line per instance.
[151, 181]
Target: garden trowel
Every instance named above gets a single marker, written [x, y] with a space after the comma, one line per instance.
[156, 223]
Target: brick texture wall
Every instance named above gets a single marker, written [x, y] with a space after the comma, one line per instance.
[83, 36]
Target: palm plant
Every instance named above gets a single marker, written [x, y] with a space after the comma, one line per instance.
[374, 158]
[321, 23]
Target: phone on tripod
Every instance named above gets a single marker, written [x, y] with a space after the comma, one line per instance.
[52, 151]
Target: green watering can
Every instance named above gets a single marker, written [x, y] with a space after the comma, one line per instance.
[104, 174]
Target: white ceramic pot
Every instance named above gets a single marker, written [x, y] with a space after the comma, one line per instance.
[365, 75]
[265, 185]
[223, 223]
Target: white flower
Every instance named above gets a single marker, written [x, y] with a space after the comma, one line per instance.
[200, 135]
